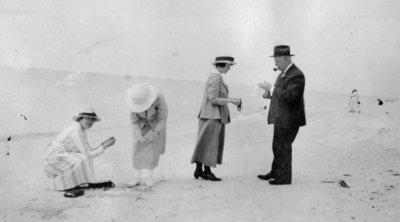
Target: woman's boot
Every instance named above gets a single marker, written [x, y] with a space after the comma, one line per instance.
[199, 171]
[208, 175]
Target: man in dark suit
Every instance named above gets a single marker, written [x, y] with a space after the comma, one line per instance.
[286, 113]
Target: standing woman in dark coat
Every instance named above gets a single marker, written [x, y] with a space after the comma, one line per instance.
[213, 116]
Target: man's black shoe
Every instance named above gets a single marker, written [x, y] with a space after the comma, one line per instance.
[275, 182]
[267, 176]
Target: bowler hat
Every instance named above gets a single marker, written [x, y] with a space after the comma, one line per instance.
[281, 50]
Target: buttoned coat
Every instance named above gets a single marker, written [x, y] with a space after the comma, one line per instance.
[146, 155]
[287, 102]
[215, 99]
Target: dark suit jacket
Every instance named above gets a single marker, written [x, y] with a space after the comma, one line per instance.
[287, 102]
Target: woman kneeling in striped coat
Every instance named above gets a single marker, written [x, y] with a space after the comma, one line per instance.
[68, 159]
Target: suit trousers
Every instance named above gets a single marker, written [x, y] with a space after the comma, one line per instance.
[282, 149]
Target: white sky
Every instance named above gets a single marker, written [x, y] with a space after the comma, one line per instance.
[339, 45]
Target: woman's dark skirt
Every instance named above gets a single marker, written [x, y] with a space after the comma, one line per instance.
[210, 142]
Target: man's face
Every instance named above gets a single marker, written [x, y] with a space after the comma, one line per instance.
[280, 63]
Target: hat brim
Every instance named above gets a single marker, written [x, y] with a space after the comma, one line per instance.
[224, 62]
[144, 106]
[75, 118]
[281, 55]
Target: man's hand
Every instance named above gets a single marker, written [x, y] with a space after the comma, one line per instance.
[265, 85]
[267, 95]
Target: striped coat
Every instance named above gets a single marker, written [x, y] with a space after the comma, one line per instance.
[68, 159]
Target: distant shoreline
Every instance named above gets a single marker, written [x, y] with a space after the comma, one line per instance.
[387, 98]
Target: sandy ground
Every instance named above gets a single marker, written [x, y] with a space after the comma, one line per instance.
[361, 149]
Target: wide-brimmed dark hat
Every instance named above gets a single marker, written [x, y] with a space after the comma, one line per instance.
[281, 50]
[224, 59]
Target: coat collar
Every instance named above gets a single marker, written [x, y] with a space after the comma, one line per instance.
[222, 80]
[148, 113]
[148, 117]
[288, 70]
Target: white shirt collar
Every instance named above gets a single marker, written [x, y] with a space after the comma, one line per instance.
[284, 72]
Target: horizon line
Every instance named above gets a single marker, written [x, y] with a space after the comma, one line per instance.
[190, 80]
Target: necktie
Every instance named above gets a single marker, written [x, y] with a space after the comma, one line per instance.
[279, 80]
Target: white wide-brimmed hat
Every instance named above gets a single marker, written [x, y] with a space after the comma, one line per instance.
[224, 59]
[140, 97]
[87, 113]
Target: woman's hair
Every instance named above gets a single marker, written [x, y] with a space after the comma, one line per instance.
[221, 65]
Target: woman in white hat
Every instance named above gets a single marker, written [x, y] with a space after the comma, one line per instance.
[213, 116]
[68, 158]
[148, 115]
